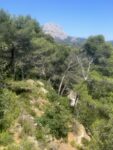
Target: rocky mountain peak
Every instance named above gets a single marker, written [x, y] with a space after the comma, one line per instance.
[55, 31]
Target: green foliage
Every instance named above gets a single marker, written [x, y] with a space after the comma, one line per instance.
[94, 110]
[16, 44]
[101, 52]
[26, 52]
[73, 144]
[93, 45]
[28, 125]
[8, 108]
[53, 96]
[102, 135]
[90, 109]
[13, 146]
[5, 138]
[56, 117]
[25, 145]
[100, 88]
[40, 134]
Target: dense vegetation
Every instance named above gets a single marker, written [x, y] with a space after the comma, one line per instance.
[27, 53]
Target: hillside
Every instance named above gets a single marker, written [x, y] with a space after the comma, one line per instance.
[31, 101]
[53, 96]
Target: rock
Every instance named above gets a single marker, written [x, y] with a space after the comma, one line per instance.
[53, 146]
[78, 134]
[43, 90]
[30, 81]
[73, 97]
[64, 146]
[40, 83]
[55, 31]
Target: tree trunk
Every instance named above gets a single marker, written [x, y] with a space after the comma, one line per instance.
[61, 83]
[62, 91]
[22, 73]
[12, 61]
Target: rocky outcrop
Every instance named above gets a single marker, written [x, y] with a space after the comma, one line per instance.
[73, 98]
[78, 134]
[55, 31]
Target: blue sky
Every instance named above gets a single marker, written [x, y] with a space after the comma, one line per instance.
[80, 18]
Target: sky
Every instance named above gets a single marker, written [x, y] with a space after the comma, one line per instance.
[79, 18]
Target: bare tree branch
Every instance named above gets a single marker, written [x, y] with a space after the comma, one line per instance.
[85, 74]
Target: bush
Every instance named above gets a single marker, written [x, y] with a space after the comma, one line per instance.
[13, 147]
[99, 89]
[27, 145]
[9, 108]
[53, 96]
[40, 134]
[57, 119]
[27, 123]
[5, 138]
[24, 145]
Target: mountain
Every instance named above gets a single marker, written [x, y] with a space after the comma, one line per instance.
[60, 36]
[111, 42]
[55, 31]
[73, 41]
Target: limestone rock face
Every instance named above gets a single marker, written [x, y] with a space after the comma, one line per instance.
[78, 134]
[55, 31]
[73, 98]
[64, 146]
[60, 36]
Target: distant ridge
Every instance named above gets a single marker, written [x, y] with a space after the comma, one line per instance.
[111, 42]
[60, 36]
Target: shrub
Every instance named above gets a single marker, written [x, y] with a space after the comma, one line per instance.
[5, 138]
[9, 108]
[13, 147]
[73, 144]
[57, 119]
[100, 88]
[27, 145]
[27, 123]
